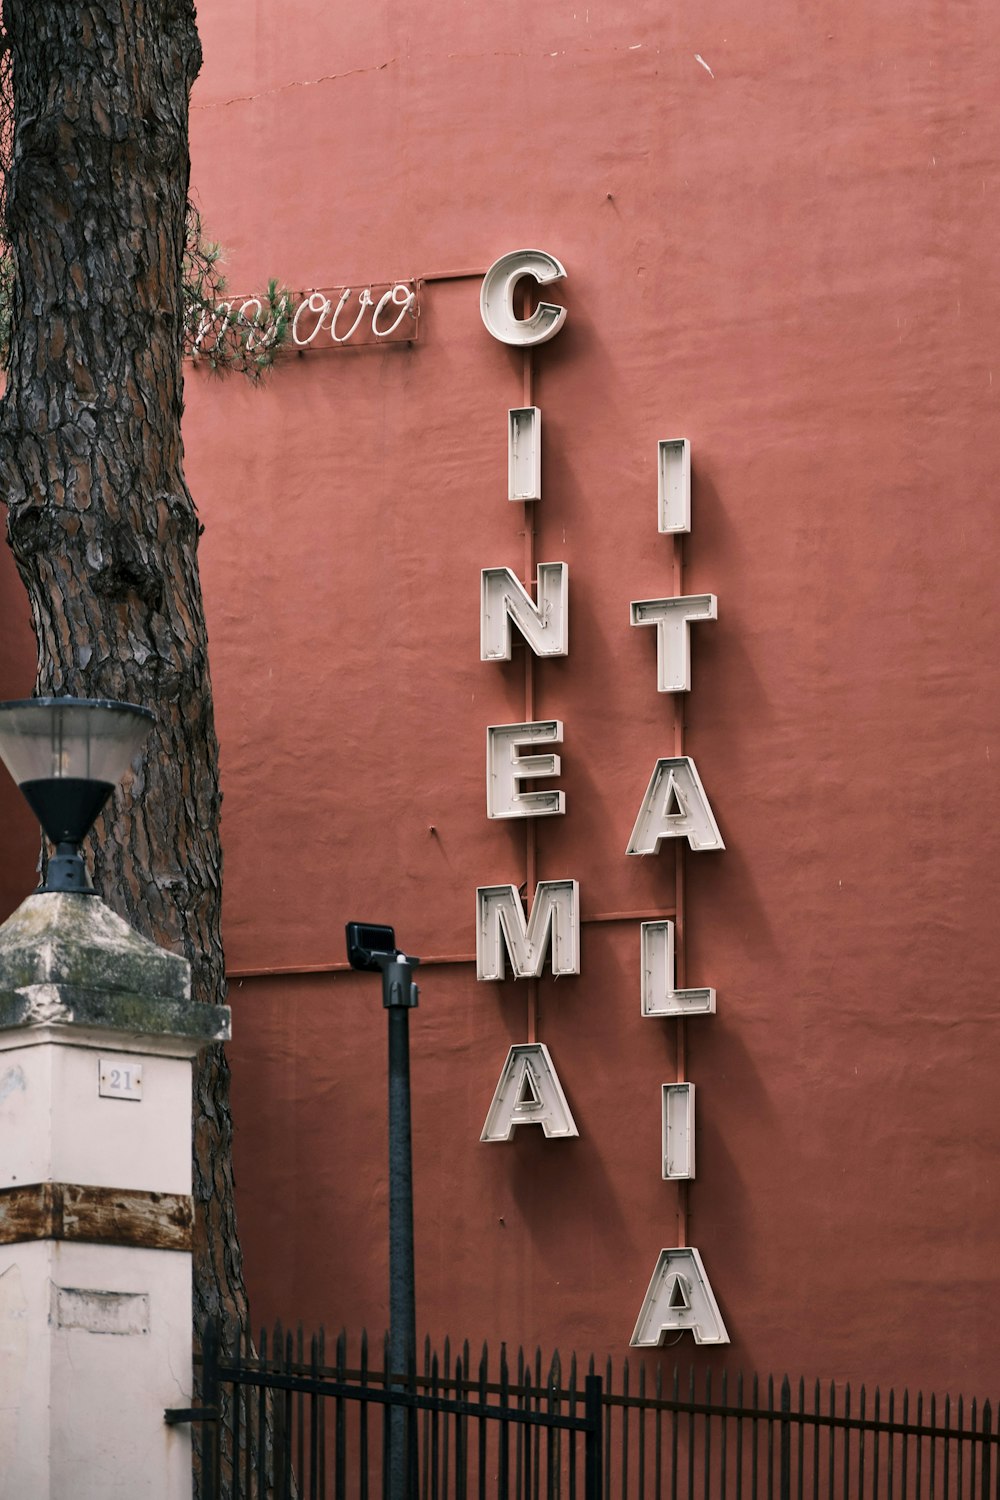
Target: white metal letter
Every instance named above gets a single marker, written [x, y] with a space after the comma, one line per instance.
[674, 485]
[659, 997]
[529, 1093]
[555, 914]
[672, 618]
[679, 1299]
[674, 807]
[505, 768]
[524, 453]
[545, 625]
[678, 1131]
[496, 300]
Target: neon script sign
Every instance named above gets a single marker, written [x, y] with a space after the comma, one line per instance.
[675, 805]
[340, 317]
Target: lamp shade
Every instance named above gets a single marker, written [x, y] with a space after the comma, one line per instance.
[83, 739]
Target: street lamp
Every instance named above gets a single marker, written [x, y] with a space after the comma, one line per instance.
[372, 949]
[66, 755]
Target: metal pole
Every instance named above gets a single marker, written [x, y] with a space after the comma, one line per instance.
[399, 996]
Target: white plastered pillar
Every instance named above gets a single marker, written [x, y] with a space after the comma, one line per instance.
[97, 1037]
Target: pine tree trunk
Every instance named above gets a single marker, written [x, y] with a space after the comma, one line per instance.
[100, 519]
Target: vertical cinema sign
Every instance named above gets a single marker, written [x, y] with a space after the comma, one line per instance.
[675, 806]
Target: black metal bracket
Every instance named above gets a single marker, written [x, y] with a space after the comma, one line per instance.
[175, 1415]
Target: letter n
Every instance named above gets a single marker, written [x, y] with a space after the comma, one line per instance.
[504, 600]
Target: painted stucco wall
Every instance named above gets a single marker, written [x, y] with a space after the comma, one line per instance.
[779, 227]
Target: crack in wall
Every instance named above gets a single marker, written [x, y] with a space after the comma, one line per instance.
[305, 83]
[296, 83]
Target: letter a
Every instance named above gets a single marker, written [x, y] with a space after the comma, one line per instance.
[674, 807]
[529, 1093]
[680, 1299]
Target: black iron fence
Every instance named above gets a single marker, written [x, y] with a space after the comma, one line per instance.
[299, 1423]
[303, 1421]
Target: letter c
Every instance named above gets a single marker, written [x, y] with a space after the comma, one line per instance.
[496, 300]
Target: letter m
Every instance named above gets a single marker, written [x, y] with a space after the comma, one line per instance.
[555, 916]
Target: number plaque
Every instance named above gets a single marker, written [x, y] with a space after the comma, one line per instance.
[119, 1078]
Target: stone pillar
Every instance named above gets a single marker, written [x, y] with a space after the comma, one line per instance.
[97, 1036]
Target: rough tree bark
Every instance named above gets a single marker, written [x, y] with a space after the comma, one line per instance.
[100, 519]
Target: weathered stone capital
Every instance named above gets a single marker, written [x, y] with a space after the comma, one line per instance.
[67, 960]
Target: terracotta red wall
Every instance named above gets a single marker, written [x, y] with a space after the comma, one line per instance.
[779, 225]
